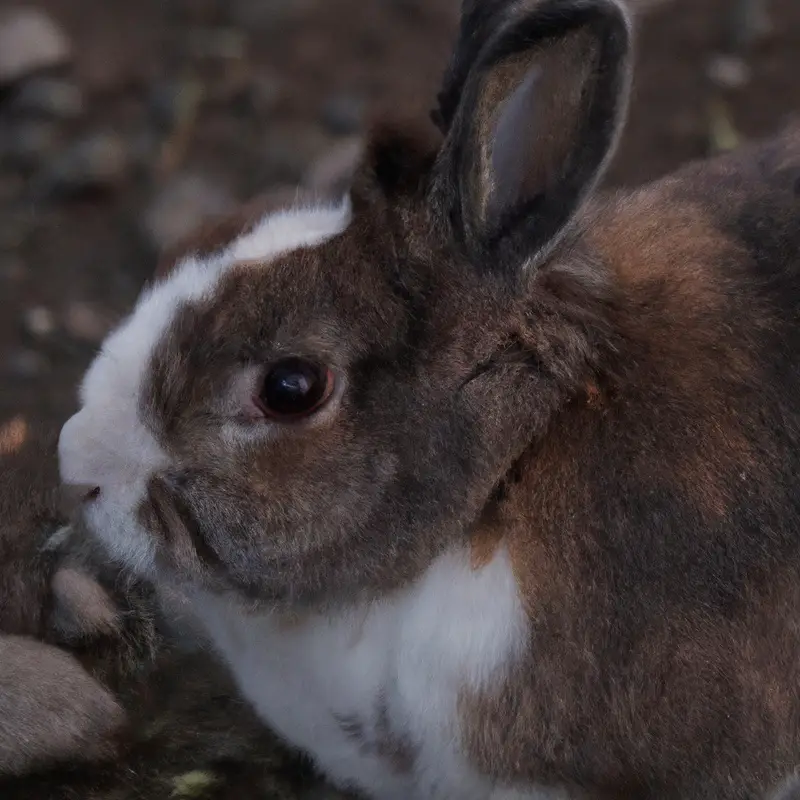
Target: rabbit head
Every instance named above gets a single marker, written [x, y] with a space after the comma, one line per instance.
[316, 408]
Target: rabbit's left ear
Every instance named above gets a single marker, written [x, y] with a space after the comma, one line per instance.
[532, 106]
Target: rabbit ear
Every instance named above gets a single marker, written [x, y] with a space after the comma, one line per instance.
[531, 107]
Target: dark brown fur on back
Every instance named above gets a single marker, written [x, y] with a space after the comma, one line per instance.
[657, 534]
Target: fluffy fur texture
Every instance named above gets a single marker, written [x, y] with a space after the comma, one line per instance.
[372, 691]
[545, 531]
[57, 706]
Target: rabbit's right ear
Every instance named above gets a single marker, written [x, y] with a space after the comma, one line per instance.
[531, 108]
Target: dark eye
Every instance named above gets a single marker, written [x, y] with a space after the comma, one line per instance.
[294, 387]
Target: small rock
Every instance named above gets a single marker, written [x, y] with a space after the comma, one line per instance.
[728, 72]
[181, 206]
[331, 174]
[30, 41]
[24, 364]
[97, 162]
[27, 144]
[39, 321]
[343, 113]
[51, 97]
[84, 322]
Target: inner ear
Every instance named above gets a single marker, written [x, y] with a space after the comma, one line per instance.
[540, 106]
[524, 103]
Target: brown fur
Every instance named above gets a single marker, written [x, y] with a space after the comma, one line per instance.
[695, 667]
[605, 384]
[51, 709]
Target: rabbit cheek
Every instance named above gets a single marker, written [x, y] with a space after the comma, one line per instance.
[169, 519]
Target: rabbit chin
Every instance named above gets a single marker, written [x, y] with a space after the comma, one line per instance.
[125, 541]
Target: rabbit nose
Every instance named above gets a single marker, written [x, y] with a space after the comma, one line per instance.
[74, 495]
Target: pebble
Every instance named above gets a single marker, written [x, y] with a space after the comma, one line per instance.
[343, 113]
[39, 321]
[49, 97]
[331, 173]
[181, 206]
[728, 72]
[99, 161]
[30, 41]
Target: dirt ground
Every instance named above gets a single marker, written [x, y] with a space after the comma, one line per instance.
[245, 95]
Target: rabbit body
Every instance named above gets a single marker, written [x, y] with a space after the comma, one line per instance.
[484, 483]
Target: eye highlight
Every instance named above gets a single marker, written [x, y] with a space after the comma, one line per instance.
[293, 388]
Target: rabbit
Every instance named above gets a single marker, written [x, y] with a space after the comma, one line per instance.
[484, 481]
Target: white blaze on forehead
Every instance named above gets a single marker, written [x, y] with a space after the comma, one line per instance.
[106, 444]
[289, 230]
[194, 279]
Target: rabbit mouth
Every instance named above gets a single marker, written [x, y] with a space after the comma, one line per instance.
[112, 524]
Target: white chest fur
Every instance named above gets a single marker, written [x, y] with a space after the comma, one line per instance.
[372, 693]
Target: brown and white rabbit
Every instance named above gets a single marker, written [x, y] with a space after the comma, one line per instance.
[484, 483]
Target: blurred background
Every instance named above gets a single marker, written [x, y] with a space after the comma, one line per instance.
[124, 124]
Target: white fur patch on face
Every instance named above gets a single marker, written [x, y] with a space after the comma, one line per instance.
[289, 230]
[106, 444]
